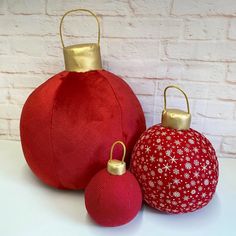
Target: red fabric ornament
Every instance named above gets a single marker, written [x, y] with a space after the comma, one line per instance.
[113, 196]
[177, 169]
[69, 122]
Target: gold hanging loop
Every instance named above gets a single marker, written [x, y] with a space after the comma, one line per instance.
[176, 118]
[176, 87]
[76, 10]
[114, 166]
[112, 149]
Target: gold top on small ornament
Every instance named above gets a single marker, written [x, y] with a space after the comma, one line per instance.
[175, 118]
[82, 57]
[117, 167]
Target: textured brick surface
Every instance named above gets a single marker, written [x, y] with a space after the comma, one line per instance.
[150, 43]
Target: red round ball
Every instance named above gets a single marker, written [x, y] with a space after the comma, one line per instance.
[113, 200]
[69, 123]
[177, 170]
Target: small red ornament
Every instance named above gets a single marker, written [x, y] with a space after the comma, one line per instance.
[175, 165]
[113, 196]
[69, 122]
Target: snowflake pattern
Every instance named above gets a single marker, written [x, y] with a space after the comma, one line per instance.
[180, 169]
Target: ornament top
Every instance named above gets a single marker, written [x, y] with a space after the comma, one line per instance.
[82, 57]
[175, 118]
[117, 167]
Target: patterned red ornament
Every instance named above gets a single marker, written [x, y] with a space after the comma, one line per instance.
[113, 197]
[177, 169]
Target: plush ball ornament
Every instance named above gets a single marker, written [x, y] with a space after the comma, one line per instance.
[113, 197]
[175, 165]
[69, 122]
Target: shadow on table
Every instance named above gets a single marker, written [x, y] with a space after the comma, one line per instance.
[70, 204]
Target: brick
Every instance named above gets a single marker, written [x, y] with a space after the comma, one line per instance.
[103, 7]
[22, 80]
[232, 31]
[3, 95]
[202, 51]
[28, 25]
[204, 72]
[216, 142]
[141, 27]
[149, 120]
[129, 49]
[228, 145]
[3, 127]
[214, 109]
[14, 127]
[206, 7]
[4, 46]
[147, 103]
[19, 96]
[224, 92]
[10, 111]
[3, 7]
[169, 70]
[28, 45]
[151, 7]
[206, 28]
[219, 127]
[192, 89]
[142, 86]
[26, 64]
[26, 6]
[144, 68]
[231, 74]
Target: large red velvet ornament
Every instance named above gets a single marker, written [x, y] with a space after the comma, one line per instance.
[177, 169]
[113, 196]
[69, 122]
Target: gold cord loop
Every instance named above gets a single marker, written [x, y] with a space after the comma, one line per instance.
[75, 10]
[176, 87]
[112, 149]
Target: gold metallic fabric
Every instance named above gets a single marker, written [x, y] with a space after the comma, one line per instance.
[82, 57]
[175, 118]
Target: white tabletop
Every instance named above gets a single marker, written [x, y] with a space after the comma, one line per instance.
[28, 207]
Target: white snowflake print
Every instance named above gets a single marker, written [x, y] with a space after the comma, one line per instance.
[176, 181]
[173, 159]
[152, 158]
[186, 175]
[168, 152]
[188, 166]
[196, 162]
[176, 194]
[158, 140]
[148, 149]
[179, 151]
[206, 182]
[151, 184]
[196, 174]
[191, 141]
[177, 142]
[166, 167]
[176, 171]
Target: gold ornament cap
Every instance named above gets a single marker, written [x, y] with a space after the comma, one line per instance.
[82, 57]
[176, 118]
[117, 167]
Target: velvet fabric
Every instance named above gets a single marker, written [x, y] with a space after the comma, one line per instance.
[113, 200]
[69, 123]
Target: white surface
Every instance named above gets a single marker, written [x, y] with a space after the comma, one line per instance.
[28, 207]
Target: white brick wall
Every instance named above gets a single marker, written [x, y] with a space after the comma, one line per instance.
[150, 43]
